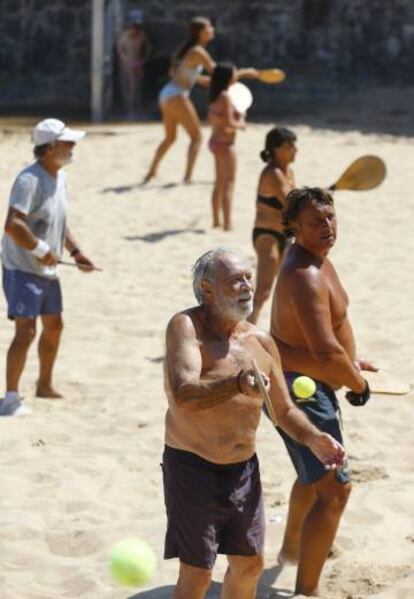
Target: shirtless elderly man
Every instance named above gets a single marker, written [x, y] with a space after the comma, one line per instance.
[211, 476]
[312, 332]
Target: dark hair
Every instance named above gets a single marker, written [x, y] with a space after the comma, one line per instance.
[40, 151]
[196, 27]
[220, 79]
[275, 138]
[297, 199]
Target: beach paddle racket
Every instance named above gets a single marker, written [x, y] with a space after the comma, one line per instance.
[364, 173]
[385, 383]
[263, 391]
[240, 96]
[271, 76]
[75, 265]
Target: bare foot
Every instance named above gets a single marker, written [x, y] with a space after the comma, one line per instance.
[187, 181]
[48, 392]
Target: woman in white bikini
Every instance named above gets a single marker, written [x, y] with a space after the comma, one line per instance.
[175, 104]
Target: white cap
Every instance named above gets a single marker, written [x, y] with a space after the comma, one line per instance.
[51, 130]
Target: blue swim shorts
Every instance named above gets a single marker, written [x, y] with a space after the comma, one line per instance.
[29, 295]
[323, 411]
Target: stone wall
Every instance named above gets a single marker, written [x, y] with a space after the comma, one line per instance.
[45, 53]
[327, 47]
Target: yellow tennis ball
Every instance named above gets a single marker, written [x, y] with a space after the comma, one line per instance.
[132, 562]
[304, 387]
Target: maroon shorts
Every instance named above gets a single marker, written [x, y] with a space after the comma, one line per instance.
[211, 508]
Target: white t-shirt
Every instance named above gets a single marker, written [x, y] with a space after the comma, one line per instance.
[43, 199]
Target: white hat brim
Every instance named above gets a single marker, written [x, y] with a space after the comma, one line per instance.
[73, 135]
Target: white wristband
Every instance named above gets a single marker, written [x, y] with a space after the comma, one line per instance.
[41, 249]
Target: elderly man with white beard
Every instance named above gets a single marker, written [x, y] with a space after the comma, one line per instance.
[211, 474]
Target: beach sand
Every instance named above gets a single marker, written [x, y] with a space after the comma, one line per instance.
[82, 473]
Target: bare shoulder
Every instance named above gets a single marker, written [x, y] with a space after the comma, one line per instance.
[196, 55]
[272, 174]
[199, 51]
[263, 337]
[271, 180]
[183, 323]
[308, 276]
[224, 98]
[302, 283]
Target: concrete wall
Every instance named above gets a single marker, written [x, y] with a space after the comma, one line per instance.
[327, 47]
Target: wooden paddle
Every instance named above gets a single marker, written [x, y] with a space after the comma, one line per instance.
[79, 266]
[240, 96]
[385, 383]
[271, 75]
[362, 174]
[263, 391]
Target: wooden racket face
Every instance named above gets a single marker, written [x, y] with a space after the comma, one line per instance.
[272, 75]
[364, 173]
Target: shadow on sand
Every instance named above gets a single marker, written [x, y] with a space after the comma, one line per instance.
[264, 591]
[155, 237]
[150, 186]
[157, 360]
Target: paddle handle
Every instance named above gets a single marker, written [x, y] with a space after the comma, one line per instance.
[74, 264]
[263, 391]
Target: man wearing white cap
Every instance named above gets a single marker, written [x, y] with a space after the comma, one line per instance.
[36, 232]
[134, 49]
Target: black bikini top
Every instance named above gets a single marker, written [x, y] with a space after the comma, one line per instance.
[271, 201]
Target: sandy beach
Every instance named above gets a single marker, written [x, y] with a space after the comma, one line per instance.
[82, 473]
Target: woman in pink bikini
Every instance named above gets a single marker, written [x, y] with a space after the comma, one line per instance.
[225, 121]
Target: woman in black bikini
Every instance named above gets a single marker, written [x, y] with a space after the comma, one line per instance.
[275, 182]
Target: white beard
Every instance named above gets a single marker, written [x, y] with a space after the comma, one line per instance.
[64, 161]
[235, 311]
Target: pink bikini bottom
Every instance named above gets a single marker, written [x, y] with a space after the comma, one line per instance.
[220, 147]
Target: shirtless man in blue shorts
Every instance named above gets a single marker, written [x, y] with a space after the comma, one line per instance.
[212, 485]
[312, 332]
